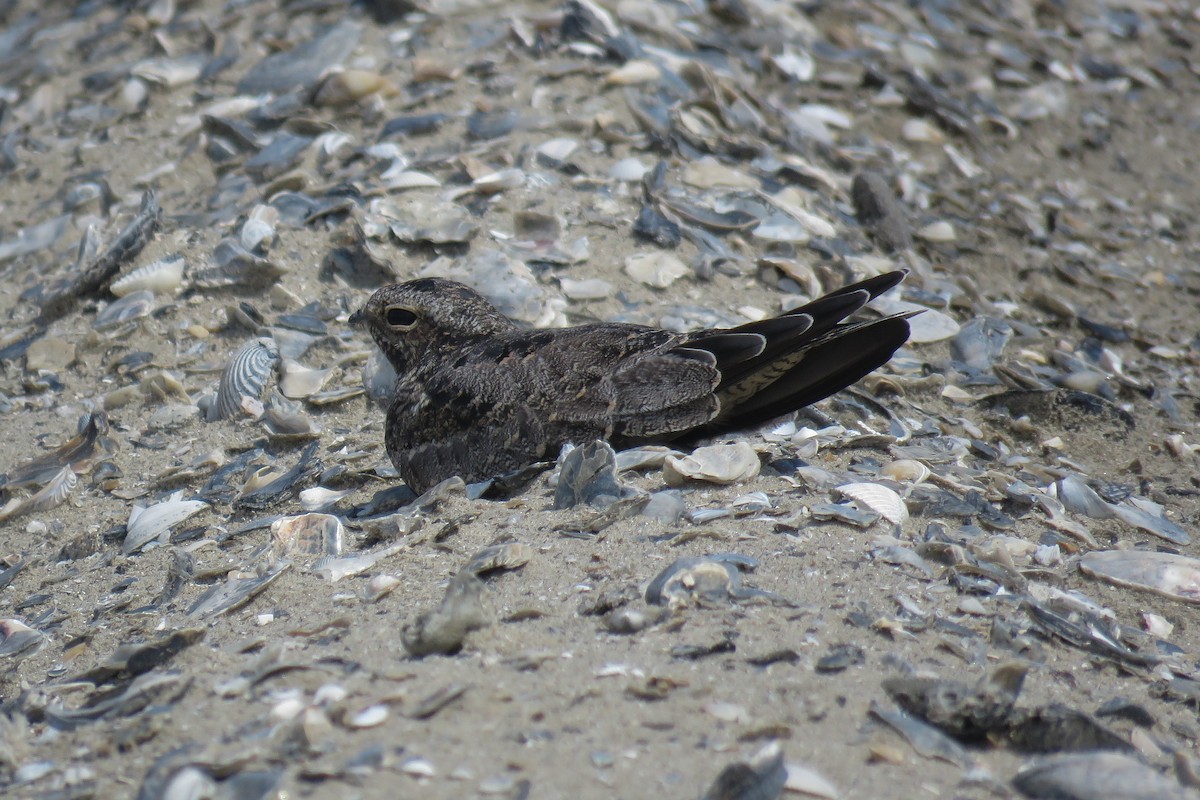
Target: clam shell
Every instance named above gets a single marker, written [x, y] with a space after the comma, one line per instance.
[587, 474]
[263, 476]
[369, 717]
[245, 375]
[715, 578]
[147, 524]
[337, 394]
[409, 179]
[1149, 516]
[930, 325]
[719, 463]
[1077, 496]
[650, 456]
[1095, 774]
[658, 270]
[1138, 512]
[883, 501]
[349, 86]
[509, 555]
[496, 182]
[632, 73]
[284, 423]
[379, 377]
[379, 587]
[164, 275]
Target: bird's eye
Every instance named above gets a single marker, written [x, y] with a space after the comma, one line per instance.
[401, 317]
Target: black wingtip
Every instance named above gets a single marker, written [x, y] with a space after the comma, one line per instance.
[878, 284]
[830, 366]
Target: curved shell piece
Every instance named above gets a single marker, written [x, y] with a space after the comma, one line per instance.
[929, 326]
[131, 306]
[1167, 574]
[1094, 774]
[883, 501]
[1077, 496]
[147, 524]
[258, 231]
[379, 377]
[298, 381]
[164, 275]
[509, 555]
[907, 470]
[308, 534]
[18, 639]
[319, 498]
[718, 463]
[245, 375]
[52, 495]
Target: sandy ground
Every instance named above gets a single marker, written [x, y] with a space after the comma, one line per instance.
[548, 702]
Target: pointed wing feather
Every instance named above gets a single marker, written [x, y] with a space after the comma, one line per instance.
[827, 366]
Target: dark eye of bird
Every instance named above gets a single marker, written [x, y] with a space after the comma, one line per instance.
[400, 317]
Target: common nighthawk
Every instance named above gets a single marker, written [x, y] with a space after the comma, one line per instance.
[478, 396]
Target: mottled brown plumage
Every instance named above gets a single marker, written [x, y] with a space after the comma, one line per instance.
[478, 396]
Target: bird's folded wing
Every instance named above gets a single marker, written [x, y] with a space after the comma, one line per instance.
[662, 394]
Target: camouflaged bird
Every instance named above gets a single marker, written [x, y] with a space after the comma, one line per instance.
[478, 396]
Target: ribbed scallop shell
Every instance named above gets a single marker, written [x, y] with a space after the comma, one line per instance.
[164, 275]
[52, 495]
[880, 499]
[246, 375]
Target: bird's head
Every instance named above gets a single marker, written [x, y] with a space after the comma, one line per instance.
[410, 320]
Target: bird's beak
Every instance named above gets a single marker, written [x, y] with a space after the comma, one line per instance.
[357, 318]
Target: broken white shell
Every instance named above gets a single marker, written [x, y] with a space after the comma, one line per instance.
[318, 498]
[164, 275]
[299, 381]
[1166, 574]
[659, 270]
[321, 534]
[147, 524]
